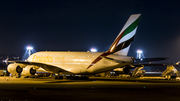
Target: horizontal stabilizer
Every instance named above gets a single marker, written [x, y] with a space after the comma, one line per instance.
[111, 59]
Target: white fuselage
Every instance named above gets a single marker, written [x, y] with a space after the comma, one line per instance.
[80, 62]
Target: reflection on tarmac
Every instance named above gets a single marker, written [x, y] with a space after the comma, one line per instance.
[148, 80]
[96, 88]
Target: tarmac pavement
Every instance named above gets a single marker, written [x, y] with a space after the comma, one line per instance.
[94, 89]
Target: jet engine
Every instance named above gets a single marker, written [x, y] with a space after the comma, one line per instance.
[28, 71]
[15, 68]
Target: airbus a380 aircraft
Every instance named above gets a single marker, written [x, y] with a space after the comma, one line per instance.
[82, 62]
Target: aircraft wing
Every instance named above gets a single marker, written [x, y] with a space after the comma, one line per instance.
[134, 65]
[148, 62]
[136, 61]
[139, 63]
[47, 67]
[150, 59]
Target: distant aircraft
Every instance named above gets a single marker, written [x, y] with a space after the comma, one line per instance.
[83, 63]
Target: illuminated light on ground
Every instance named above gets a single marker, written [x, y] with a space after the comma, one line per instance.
[140, 54]
[29, 48]
[139, 51]
[93, 50]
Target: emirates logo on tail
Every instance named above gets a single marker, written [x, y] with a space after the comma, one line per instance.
[126, 36]
[123, 41]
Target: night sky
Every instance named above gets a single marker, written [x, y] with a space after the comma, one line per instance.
[78, 25]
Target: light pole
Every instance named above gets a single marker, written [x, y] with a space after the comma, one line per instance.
[140, 54]
[29, 50]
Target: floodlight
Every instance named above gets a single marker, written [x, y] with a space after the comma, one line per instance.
[29, 48]
[93, 50]
[139, 51]
[140, 54]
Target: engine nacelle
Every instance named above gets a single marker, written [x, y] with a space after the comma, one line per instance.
[15, 68]
[28, 71]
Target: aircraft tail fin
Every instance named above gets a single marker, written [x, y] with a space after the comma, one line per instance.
[123, 41]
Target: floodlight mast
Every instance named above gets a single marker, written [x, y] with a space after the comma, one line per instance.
[29, 50]
[139, 54]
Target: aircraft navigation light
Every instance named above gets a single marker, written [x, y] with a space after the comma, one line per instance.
[93, 50]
